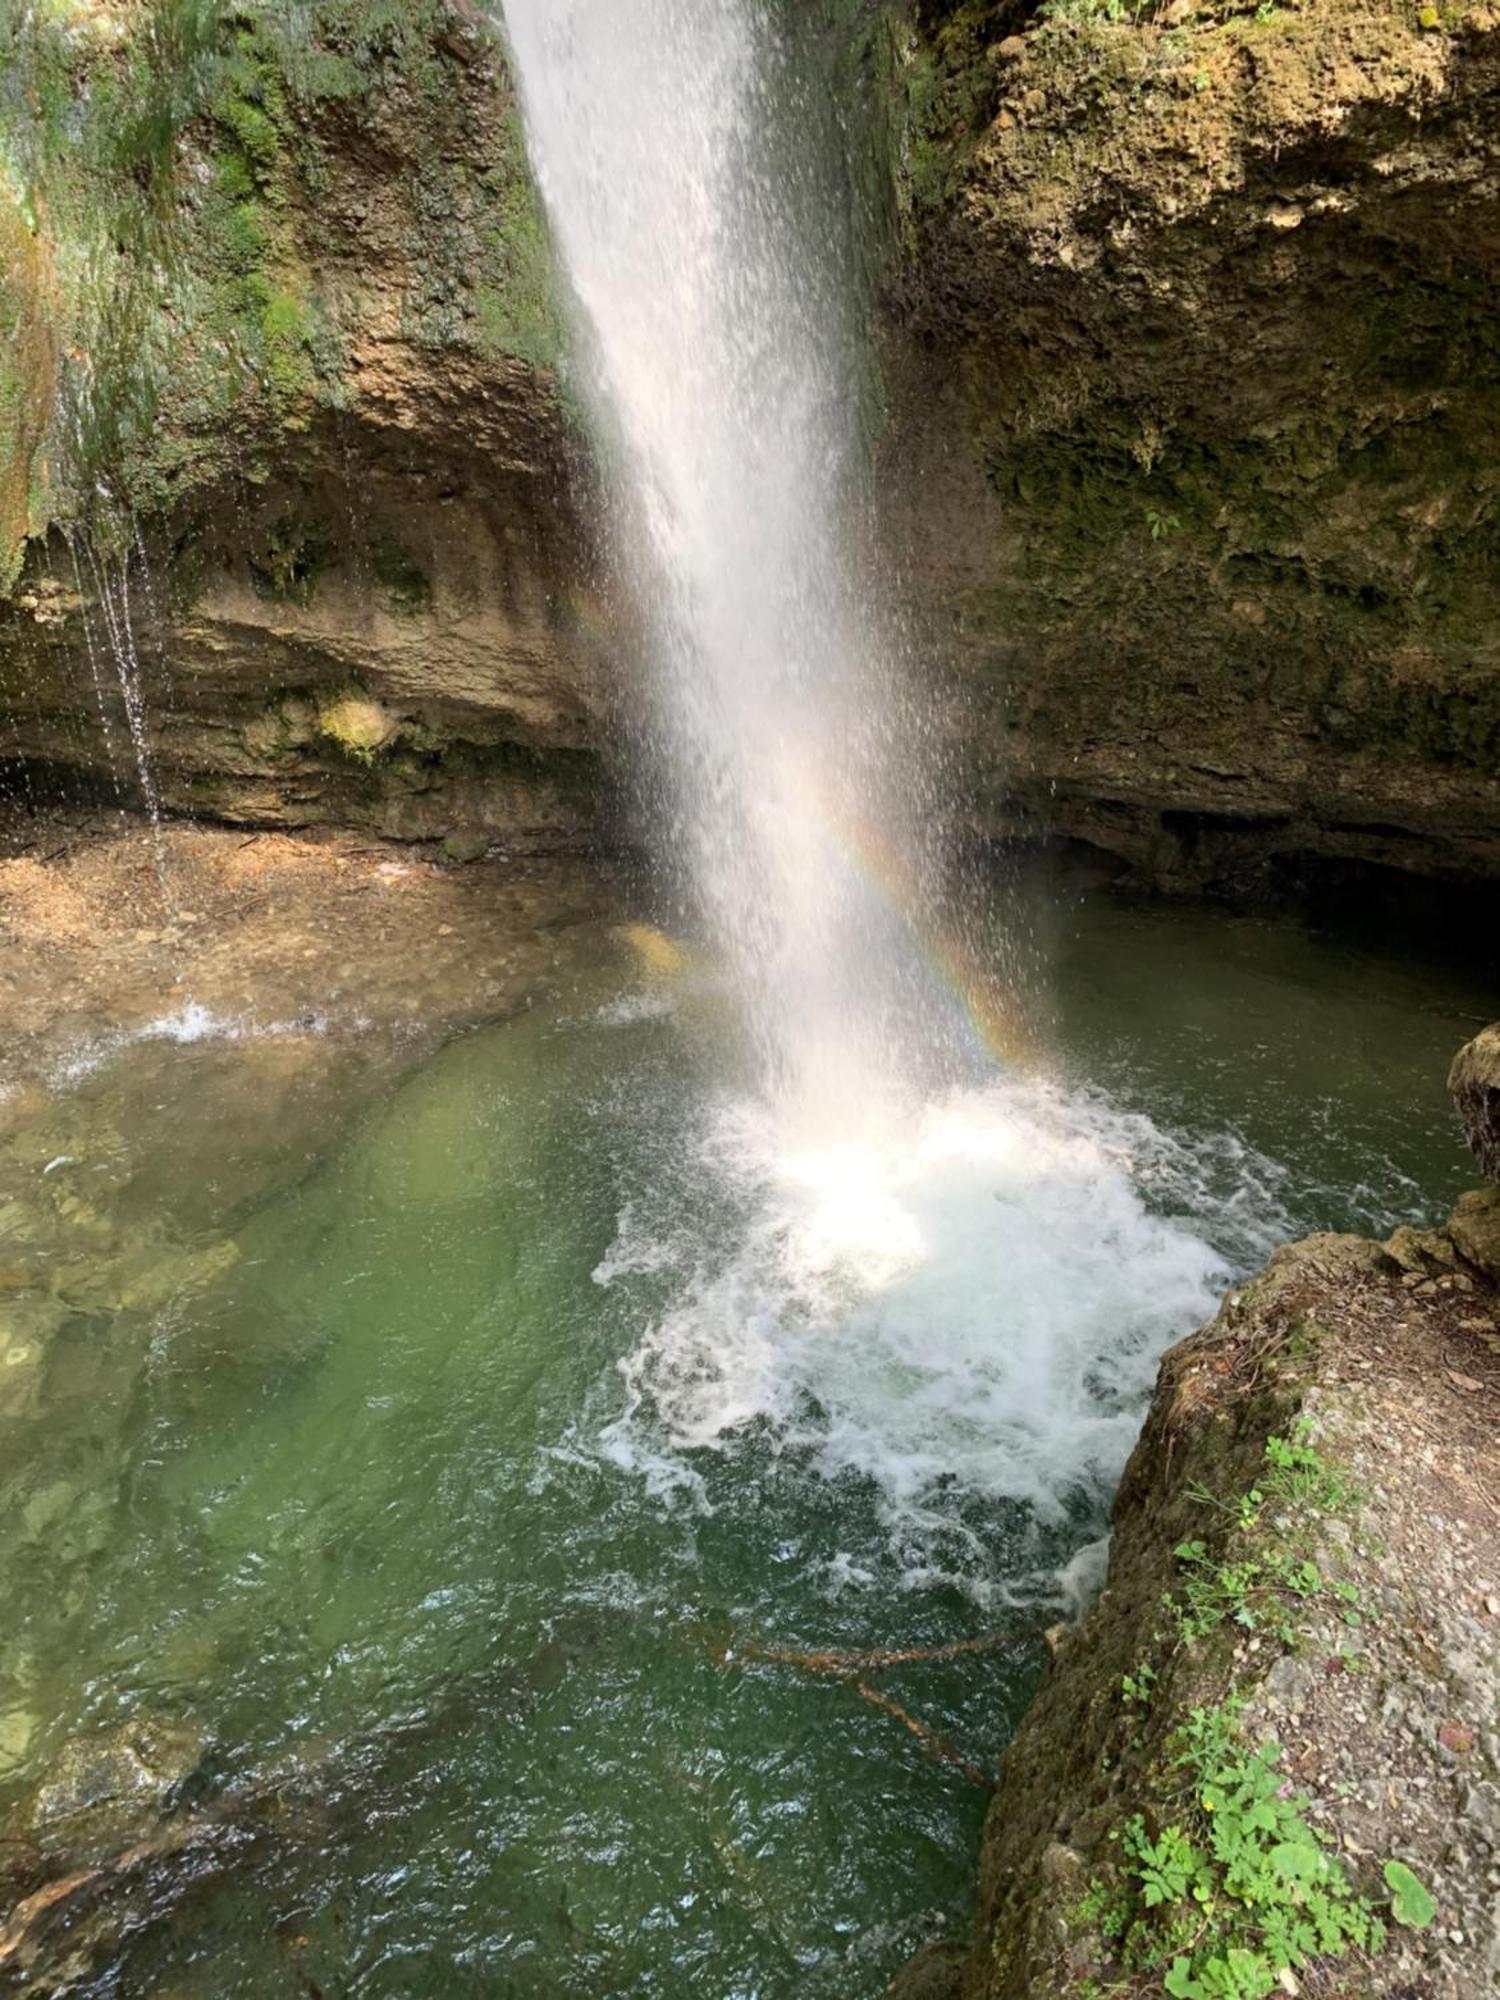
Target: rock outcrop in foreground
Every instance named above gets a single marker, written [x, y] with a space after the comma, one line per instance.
[1306, 1555]
[1475, 1083]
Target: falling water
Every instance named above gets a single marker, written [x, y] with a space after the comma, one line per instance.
[708, 267]
[96, 677]
[112, 596]
[944, 1279]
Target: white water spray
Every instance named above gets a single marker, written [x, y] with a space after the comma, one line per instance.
[708, 271]
[955, 1292]
[111, 580]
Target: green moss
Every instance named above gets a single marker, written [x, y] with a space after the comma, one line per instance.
[515, 298]
[176, 184]
[28, 362]
[287, 566]
[286, 346]
[401, 580]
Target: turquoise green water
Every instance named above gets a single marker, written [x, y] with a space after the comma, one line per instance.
[446, 1520]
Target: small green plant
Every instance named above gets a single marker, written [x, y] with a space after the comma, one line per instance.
[1232, 1888]
[1113, 11]
[287, 564]
[1200, 81]
[1160, 525]
[1241, 1887]
[403, 582]
[1300, 1475]
[1252, 1588]
[1137, 1686]
[1411, 1904]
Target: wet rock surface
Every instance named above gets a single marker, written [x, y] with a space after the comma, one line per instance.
[102, 1790]
[1378, 1675]
[438, 670]
[1475, 1083]
[330, 519]
[264, 931]
[1193, 397]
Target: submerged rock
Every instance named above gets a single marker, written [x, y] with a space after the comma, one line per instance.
[18, 1727]
[936, 1973]
[103, 1790]
[1475, 1082]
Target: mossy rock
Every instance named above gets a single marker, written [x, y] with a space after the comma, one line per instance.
[358, 724]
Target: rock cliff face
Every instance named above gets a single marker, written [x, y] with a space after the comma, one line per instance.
[1187, 476]
[1287, 1692]
[301, 421]
[1197, 403]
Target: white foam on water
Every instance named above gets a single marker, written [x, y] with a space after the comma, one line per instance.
[969, 1311]
[186, 1026]
[191, 1023]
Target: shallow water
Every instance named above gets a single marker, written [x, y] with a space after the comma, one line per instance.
[449, 1451]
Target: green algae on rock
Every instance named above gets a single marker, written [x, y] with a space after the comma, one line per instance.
[220, 193]
[302, 364]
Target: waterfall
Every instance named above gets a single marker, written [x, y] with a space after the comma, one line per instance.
[710, 277]
[941, 1278]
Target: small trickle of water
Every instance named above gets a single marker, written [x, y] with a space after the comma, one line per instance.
[91, 647]
[110, 576]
